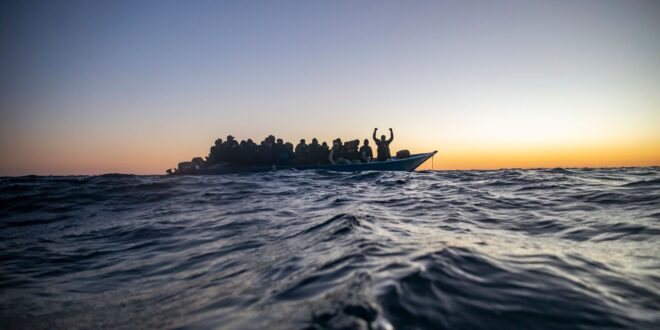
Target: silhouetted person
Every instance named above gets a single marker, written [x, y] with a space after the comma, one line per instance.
[340, 150]
[324, 153]
[366, 154]
[266, 152]
[288, 148]
[355, 149]
[222, 152]
[302, 153]
[336, 155]
[252, 152]
[281, 154]
[214, 153]
[351, 152]
[383, 145]
[244, 156]
[231, 150]
[314, 152]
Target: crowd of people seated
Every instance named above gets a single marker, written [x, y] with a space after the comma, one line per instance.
[272, 151]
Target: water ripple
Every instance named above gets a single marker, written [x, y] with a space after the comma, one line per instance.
[532, 249]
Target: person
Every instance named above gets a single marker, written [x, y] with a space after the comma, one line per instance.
[351, 152]
[229, 150]
[366, 154]
[281, 155]
[252, 151]
[383, 145]
[222, 152]
[324, 153]
[336, 155]
[278, 146]
[234, 151]
[266, 152]
[301, 154]
[356, 150]
[244, 156]
[314, 152]
[214, 153]
[288, 149]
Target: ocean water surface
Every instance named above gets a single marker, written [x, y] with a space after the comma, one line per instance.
[517, 249]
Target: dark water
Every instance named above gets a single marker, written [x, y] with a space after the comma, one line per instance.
[521, 249]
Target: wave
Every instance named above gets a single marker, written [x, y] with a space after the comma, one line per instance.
[454, 285]
[538, 249]
[644, 183]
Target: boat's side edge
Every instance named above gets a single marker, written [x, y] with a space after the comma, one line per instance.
[424, 159]
[407, 164]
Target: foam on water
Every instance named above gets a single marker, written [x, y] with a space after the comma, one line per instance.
[556, 248]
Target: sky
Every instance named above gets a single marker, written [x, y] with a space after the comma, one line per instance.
[90, 87]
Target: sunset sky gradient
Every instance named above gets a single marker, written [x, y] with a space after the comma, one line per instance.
[91, 87]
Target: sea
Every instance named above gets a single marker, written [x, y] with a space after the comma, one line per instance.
[505, 249]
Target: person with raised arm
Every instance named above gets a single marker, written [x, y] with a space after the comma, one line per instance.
[383, 145]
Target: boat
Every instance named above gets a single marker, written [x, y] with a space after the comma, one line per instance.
[407, 164]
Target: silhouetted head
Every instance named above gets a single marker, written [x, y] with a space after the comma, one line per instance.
[324, 144]
[250, 141]
[315, 141]
[302, 141]
[218, 142]
[382, 138]
[366, 142]
[280, 141]
[230, 138]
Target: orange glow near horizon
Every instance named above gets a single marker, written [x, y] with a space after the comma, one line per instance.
[612, 156]
[154, 159]
[133, 88]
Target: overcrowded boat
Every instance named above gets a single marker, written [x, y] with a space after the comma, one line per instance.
[230, 156]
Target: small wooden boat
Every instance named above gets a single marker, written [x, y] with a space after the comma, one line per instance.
[395, 164]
